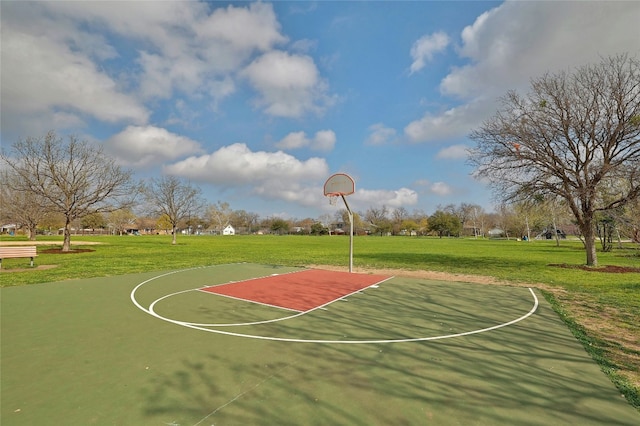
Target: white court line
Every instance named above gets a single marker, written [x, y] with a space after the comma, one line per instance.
[246, 300]
[152, 311]
[254, 278]
[284, 339]
[243, 393]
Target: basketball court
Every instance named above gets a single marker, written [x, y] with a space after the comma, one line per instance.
[263, 344]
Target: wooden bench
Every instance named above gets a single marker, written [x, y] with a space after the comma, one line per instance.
[7, 252]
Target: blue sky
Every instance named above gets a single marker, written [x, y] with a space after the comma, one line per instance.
[259, 103]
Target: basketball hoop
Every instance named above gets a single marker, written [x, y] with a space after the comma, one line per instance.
[340, 185]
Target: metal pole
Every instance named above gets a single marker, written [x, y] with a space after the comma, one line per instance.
[350, 233]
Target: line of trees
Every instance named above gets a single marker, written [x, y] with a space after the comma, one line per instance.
[51, 183]
[95, 194]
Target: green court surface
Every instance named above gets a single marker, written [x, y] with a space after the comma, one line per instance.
[151, 349]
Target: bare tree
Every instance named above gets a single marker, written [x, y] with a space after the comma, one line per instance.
[27, 209]
[630, 220]
[342, 215]
[474, 216]
[399, 215]
[422, 220]
[147, 224]
[219, 215]
[304, 225]
[378, 218]
[468, 217]
[326, 220]
[73, 178]
[173, 199]
[121, 220]
[506, 220]
[567, 138]
[244, 219]
[93, 221]
[527, 214]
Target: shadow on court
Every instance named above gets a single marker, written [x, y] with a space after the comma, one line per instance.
[471, 382]
[530, 373]
[81, 352]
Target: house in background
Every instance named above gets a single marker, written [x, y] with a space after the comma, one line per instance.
[229, 230]
[9, 228]
[496, 233]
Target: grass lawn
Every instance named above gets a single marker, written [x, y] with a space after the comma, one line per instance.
[602, 309]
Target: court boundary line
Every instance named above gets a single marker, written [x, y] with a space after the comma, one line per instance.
[201, 290]
[353, 342]
[254, 278]
[378, 341]
[154, 313]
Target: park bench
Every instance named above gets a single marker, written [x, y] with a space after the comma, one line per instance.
[16, 252]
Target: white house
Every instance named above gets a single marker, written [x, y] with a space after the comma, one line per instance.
[229, 230]
[9, 228]
[496, 233]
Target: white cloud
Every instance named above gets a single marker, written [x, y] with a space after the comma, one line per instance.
[254, 27]
[402, 197]
[200, 52]
[269, 174]
[517, 41]
[380, 135]
[182, 113]
[293, 140]
[422, 183]
[304, 45]
[143, 146]
[454, 122]
[425, 47]
[324, 140]
[440, 188]
[223, 38]
[454, 152]
[56, 66]
[43, 80]
[289, 84]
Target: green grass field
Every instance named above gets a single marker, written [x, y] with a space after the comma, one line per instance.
[511, 260]
[75, 349]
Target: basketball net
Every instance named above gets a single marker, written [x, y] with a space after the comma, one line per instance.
[333, 199]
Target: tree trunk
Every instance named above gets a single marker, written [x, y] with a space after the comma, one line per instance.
[66, 244]
[589, 242]
[175, 231]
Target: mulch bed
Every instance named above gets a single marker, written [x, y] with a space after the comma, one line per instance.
[35, 268]
[59, 251]
[612, 269]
